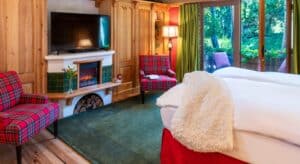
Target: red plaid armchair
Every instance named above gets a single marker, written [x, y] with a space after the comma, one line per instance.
[22, 115]
[157, 65]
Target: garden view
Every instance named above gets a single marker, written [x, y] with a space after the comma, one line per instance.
[219, 29]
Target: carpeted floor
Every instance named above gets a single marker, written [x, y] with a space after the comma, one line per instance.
[126, 132]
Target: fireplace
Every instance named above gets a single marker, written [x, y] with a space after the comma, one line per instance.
[89, 74]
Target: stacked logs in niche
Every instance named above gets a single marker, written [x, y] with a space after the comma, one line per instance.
[88, 102]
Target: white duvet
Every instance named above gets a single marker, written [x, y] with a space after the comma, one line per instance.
[274, 77]
[260, 107]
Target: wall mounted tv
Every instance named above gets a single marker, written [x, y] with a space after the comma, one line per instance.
[79, 32]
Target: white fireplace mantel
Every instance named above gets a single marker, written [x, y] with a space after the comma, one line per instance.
[56, 63]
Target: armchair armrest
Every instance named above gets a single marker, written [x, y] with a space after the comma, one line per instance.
[33, 99]
[142, 73]
[171, 73]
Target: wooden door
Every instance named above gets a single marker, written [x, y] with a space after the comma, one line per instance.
[23, 26]
[143, 34]
[124, 60]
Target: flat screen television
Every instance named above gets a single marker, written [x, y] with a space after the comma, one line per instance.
[72, 32]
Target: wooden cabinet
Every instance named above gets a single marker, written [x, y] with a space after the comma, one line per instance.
[23, 32]
[133, 34]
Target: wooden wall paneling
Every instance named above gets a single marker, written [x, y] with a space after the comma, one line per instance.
[132, 34]
[124, 46]
[2, 36]
[143, 34]
[153, 32]
[26, 58]
[143, 28]
[23, 37]
[12, 31]
[40, 24]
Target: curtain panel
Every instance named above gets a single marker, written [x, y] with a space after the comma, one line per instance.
[188, 55]
[296, 37]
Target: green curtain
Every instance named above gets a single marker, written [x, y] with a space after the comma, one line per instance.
[188, 55]
[296, 38]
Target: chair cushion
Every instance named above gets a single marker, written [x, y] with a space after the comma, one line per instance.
[22, 122]
[221, 59]
[163, 83]
[10, 90]
[154, 64]
[283, 67]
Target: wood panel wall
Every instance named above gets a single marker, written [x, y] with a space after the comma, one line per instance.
[133, 34]
[23, 41]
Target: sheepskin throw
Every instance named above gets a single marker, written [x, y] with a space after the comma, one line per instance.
[203, 121]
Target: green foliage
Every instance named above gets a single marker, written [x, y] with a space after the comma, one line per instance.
[70, 71]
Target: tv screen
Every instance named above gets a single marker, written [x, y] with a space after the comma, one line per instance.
[79, 32]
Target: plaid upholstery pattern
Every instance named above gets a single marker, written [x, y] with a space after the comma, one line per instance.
[163, 83]
[33, 99]
[171, 73]
[154, 64]
[159, 65]
[10, 90]
[22, 115]
[22, 122]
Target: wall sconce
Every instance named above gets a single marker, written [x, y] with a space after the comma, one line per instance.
[170, 32]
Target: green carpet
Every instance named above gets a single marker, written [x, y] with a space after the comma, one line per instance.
[126, 132]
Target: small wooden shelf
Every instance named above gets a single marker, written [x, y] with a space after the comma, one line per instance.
[82, 91]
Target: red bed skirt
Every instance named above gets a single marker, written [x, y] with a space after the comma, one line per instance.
[172, 152]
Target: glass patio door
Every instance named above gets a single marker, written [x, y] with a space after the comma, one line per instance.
[220, 28]
[275, 35]
[265, 31]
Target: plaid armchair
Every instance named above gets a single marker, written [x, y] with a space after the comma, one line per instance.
[157, 65]
[22, 115]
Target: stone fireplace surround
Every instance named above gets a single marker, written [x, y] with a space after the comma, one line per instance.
[56, 64]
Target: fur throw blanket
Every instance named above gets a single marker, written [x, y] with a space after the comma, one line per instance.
[203, 120]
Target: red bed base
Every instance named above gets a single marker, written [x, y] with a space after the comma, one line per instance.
[172, 152]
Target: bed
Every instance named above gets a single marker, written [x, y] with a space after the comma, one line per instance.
[266, 141]
[272, 77]
[249, 148]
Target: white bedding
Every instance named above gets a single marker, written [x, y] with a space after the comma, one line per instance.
[273, 77]
[265, 108]
[251, 147]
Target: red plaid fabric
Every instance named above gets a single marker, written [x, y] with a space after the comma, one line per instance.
[159, 65]
[20, 123]
[10, 90]
[22, 115]
[171, 73]
[33, 99]
[155, 64]
[161, 84]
